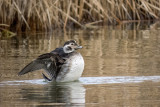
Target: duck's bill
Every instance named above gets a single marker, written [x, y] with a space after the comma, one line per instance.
[79, 47]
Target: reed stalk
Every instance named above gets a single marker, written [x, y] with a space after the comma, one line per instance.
[42, 15]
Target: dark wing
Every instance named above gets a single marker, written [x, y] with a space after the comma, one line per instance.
[50, 62]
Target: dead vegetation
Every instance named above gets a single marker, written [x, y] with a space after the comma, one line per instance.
[24, 15]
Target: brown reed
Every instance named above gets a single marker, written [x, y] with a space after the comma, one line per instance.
[24, 15]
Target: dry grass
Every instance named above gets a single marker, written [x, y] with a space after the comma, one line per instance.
[50, 14]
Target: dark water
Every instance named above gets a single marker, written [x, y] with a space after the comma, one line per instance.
[122, 68]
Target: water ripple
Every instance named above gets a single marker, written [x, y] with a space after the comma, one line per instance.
[118, 79]
[92, 80]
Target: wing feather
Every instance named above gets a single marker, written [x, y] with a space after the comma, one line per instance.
[50, 62]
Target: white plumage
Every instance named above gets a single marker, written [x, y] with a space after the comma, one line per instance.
[74, 67]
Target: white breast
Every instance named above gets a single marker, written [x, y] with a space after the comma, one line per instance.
[73, 69]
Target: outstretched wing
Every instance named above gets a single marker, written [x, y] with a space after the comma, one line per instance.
[50, 62]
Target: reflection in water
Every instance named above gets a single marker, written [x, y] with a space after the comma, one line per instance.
[142, 92]
[56, 94]
[43, 93]
[121, 51]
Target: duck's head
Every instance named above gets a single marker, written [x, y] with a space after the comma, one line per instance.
[71, 46]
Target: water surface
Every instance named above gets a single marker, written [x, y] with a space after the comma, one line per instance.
[122, 68]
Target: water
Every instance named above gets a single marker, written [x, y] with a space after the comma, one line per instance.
[122, 68]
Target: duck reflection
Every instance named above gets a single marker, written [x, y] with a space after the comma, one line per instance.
[67, 94]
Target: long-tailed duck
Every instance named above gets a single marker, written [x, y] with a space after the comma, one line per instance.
[62, 64]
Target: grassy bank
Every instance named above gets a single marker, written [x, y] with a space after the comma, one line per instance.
[24, 15]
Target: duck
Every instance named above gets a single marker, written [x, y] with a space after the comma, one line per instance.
[63, 64]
